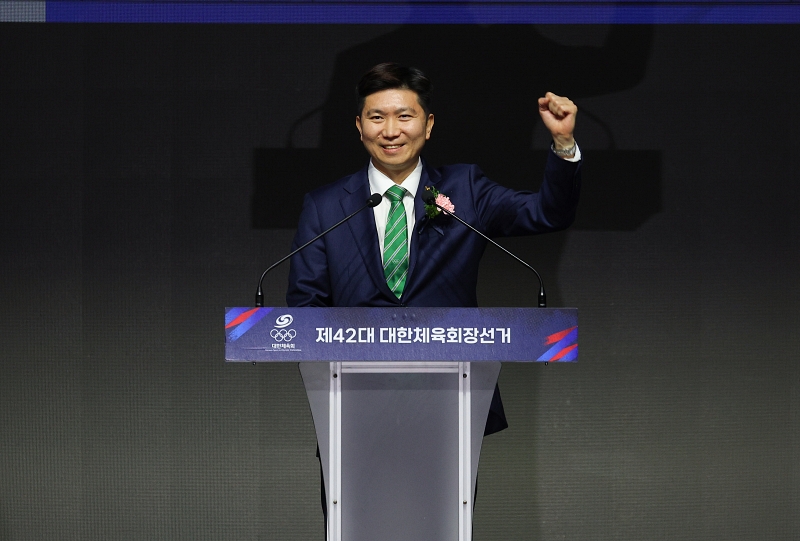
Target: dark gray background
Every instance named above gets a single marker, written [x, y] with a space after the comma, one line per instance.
[149, 173]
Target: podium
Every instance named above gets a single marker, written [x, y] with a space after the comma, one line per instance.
[399, 398]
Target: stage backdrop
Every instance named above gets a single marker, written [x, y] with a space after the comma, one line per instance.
[150, 172]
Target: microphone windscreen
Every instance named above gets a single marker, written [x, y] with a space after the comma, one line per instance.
[427, 197]
[374, 200]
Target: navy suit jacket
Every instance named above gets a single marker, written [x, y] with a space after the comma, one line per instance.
[344, 268]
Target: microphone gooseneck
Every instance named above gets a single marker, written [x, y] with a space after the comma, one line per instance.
[429, 199]
[373, 201]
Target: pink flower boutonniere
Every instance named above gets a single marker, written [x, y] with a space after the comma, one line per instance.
[442, 200]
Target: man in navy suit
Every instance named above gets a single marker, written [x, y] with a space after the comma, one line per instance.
[348, 266]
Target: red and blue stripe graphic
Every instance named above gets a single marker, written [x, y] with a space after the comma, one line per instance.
[240, 320]
[565, 346]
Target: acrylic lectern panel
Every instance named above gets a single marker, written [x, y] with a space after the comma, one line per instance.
[399, 456]
[407, 464]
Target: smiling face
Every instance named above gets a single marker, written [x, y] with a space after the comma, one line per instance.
[394, 129]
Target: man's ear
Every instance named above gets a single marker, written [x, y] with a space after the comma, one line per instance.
[358, 127]
[428, 127]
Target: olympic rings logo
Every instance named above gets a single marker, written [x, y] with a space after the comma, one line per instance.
[283, 335]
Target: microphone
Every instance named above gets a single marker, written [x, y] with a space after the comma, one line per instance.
[373, 201]
[429, 199]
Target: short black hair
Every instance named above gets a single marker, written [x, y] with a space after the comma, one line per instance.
[390, 75]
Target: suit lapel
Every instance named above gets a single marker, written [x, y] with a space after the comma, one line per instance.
[362, 227]
[429, 178]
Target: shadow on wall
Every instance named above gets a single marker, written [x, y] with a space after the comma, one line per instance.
[486, 79]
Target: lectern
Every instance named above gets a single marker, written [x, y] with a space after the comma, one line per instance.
[399, 399]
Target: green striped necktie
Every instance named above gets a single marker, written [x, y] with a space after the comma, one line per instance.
[395, 244]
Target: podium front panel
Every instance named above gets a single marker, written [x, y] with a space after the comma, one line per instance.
[399, 445]
[400, 476]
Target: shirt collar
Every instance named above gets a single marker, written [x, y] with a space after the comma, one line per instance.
[379, 183]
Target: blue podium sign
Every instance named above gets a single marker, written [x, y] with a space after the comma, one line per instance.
[401, 334]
